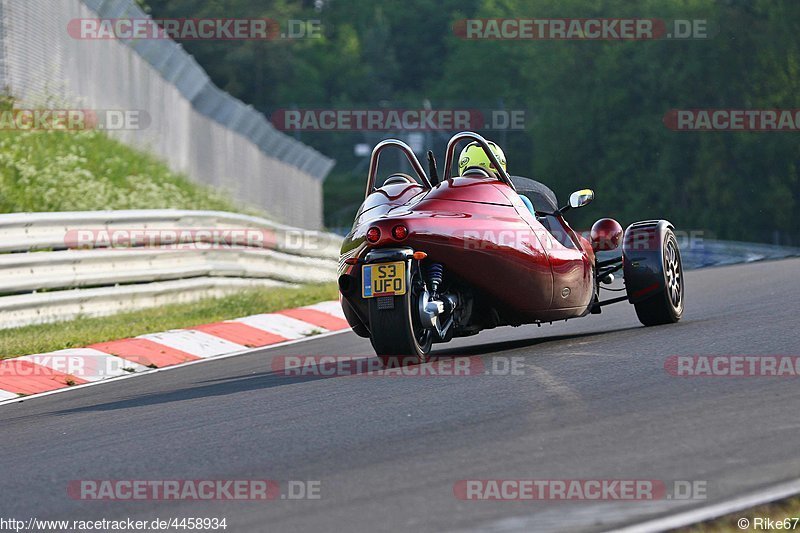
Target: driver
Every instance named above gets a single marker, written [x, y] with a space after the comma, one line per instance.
[473, 160]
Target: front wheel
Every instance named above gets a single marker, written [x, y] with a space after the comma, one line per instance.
[666, 306]
[396, 332]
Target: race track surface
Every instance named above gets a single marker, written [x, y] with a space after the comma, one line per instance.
[593, 402]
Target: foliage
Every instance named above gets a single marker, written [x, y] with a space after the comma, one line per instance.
[594, 109]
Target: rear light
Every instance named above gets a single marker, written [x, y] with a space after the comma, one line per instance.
[373, 235]
[419, 256]
[400, 232]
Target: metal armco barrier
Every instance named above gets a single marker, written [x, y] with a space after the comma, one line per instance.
[101, 262]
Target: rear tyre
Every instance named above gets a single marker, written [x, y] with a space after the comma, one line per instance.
[396, 333]
[666, 306]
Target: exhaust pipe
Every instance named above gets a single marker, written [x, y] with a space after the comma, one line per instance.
[346, 283]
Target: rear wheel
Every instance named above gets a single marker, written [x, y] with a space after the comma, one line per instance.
[396, 331]
[666, 306]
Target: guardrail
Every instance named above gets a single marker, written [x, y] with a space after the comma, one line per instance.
[711, 252]
[701, 252]
[101, 262]
[25, 232]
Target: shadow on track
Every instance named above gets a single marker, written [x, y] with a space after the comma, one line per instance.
[502, 346]
[264, 380]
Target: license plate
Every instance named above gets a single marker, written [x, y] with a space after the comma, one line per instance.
[383, 279]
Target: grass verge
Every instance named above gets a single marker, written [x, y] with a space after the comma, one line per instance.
[787, 510]
[83, 331]
[86, 171]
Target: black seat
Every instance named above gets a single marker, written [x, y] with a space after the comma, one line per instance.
[541, 196]
[398, 178]
[545, 204]
[478, 171]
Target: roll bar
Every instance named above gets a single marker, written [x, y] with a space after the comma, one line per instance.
[409, 153]
[464, 135]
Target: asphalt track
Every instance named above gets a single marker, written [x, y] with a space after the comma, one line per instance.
[593, 402]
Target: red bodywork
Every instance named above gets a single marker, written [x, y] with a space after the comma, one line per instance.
[487, 239]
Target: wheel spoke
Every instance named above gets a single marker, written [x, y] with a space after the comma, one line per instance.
[672, 272]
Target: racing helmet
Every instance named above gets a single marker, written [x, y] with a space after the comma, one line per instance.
[473, 156]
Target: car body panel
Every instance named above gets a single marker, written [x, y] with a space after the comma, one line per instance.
[483, 234]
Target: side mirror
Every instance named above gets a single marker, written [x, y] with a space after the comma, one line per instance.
[578, 199]
[581, 198]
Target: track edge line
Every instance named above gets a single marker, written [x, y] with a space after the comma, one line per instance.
[693, 516]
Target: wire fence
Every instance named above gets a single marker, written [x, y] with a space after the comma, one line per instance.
[194, 126]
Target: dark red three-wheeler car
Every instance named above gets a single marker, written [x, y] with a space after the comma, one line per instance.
[430, 259]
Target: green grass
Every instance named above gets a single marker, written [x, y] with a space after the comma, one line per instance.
[778, 511]
[83, 331]
[86, 170]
